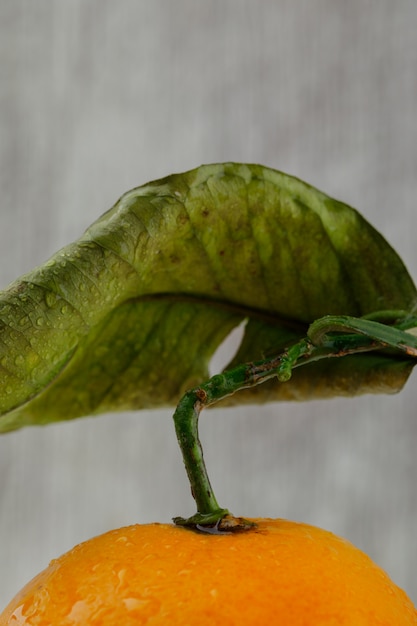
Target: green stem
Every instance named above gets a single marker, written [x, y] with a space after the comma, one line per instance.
[331, 336]
[323, 333]
[194, 401]
[186, 426]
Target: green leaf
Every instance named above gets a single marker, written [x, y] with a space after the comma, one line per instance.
[129, 316]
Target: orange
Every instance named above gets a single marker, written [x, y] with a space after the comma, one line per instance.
[282, 573]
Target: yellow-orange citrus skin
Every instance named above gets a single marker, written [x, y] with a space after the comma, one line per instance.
[282, 573]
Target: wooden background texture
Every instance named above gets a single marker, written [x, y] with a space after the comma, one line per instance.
[97, 97]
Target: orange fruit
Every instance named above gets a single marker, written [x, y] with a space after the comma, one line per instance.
[282, 573]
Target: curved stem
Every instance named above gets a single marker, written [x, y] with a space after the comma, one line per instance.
[322, 333]
[186, 426]
[331, 336]
[194, 401]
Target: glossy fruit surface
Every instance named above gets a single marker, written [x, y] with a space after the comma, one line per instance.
[282, 572]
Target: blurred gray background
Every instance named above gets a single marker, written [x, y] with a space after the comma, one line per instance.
[97, 97]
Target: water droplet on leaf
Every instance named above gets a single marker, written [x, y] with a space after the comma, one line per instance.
[50, 299]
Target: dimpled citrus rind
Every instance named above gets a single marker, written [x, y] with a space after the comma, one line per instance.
[280, 573]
